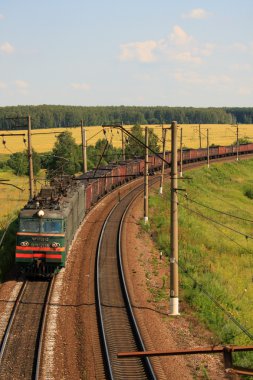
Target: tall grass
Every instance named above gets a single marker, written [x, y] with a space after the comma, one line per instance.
[215, 263]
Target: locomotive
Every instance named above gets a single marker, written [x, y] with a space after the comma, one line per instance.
[49, 221]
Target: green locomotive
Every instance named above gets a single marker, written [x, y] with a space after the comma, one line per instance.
[47, 225]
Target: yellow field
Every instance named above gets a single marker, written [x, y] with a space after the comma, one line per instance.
[11, 198]
[42, 141]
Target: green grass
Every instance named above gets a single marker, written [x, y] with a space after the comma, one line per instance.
[212, 258]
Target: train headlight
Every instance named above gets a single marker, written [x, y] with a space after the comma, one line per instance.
[40, 213]
[55, 245]
[24, 243]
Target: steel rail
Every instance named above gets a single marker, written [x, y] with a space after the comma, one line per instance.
[98, 296]
[11, 319]
[21, 341]
[126, 295]
[136, 336]
[42, 330]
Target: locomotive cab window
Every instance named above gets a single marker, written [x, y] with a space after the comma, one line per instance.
[29, 225]
[52, 226]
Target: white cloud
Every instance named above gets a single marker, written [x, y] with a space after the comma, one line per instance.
[187, 56]
[3, 85]
[7, 48]
[240, 47]
[80, 86]
[245, 90]
[140, 51]
[177, 46]
[196, 79]
[22, 86]
[241, 66]
[197, 13]
[179, 36]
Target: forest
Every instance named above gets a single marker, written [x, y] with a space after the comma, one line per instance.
[53, 116]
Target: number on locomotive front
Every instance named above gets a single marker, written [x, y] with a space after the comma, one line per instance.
[40, 246]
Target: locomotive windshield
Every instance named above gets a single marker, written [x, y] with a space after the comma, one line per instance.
[51, 226]
[29, 225]
[41, 225]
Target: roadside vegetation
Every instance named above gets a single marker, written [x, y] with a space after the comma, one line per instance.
[215, 249]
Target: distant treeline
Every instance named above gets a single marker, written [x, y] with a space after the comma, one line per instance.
[46, 116]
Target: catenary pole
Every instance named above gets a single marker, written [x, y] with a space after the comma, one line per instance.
[181, 152]
[208, 150]
[123, 145]
[146, 178]
[200, 143]
[164, 131]
[237, 143]
[30, 158]
[174, 309]
[84, 148]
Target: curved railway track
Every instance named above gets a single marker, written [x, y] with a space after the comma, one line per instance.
[118, 327]
[21, 344]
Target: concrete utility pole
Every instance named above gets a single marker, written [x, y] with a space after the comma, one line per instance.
[123, 146]
[174, 310]
[164, 132]
[207, 145]
[30, 158]
[200, 144]
[181, 152]
[237, 143]
[146, 178]
[84, 148]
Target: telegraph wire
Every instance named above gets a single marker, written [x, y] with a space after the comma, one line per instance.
[213, 209]
[214, 221]
[226, 312]
[221, 199]
[94, 135]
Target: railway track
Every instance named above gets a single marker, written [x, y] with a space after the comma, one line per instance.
[21, 345]
[117, 323]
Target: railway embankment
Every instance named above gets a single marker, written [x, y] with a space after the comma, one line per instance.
[215, 251]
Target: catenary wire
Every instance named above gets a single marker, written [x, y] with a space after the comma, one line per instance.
[214, 221]
[226, 312]
[213, 209]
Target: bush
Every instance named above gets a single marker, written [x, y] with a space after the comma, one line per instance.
[249, 193]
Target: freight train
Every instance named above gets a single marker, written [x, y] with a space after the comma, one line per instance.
[48, 222]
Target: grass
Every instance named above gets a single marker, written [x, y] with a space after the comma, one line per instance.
[222, 134]
[214, 260]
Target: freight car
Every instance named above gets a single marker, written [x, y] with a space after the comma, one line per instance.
[47, 224]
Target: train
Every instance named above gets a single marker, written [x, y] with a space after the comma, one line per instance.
[48, 222]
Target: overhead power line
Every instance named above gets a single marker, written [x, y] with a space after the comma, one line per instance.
[226, 312]
[216, 222]
[215, 210]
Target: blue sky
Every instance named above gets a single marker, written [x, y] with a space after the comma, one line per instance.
[184, 53]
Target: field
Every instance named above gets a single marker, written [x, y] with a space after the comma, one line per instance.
[14, 195]
[43, 140]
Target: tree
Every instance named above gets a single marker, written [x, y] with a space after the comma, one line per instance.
[18, 162]
[135, 148]
[242, 140]
[65, 157]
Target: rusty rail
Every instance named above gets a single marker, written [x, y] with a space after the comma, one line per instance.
[226, 350]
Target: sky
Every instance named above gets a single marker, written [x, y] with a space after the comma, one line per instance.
[195, 53]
